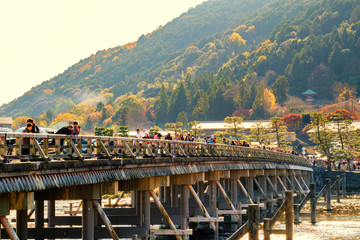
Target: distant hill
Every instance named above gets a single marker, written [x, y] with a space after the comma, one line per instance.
[192, 43]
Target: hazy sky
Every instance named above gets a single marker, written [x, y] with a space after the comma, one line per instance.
[41, 39]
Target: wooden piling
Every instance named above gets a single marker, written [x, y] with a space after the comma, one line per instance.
[254, 219]
[313, 202]
[344, 184]
[338, 188]
[289, 214]
[328, 194]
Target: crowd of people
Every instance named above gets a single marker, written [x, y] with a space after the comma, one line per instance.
[75, 129]
[71, 130]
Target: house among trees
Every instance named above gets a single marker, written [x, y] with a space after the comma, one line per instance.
[309, 95]
[6, 122]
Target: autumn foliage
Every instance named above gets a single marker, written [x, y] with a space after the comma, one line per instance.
[292, 120]
[339, 114]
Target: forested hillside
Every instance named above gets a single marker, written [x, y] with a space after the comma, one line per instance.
[230, 57]
[187, 43]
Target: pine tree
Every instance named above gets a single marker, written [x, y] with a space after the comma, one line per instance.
[162, 106]
[179, 104]
[280, 88]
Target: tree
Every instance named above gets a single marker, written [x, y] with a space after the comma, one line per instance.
[280, 88]
[182, 119]
[279, 128]
[175, 127]
[135, 117]
[153, 130]
[101, 131]
[201, 107]
[259, 132]
[195, 128]
[123, 131]
[322, 136]
[99, 107]
[64, 105]
[292, 120]
[162, 106]
[180, 103]
[343, 130]
[235, 127]
[19, 122]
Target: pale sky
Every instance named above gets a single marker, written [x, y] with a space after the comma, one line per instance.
[42, 38]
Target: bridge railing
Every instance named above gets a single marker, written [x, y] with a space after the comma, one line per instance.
[45, 147]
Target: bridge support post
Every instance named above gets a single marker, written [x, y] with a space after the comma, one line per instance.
[167, 194]
[88, 223]
[174, 196]
[184, 208]
[250, 186]
[145, 212]
[212, 197]
[39, 215]
[289, 214]
[328, 194]
[263, 185]
[254, 219]
[344, 185]
[234, 192]
[313, 202]
[338, 188]
[200, 190]
[21, 224]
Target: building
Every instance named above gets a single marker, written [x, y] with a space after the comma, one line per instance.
[309, 95]
[6, 122]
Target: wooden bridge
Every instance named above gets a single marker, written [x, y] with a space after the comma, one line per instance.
[197, 185]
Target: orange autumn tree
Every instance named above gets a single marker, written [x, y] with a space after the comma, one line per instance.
[292, 120]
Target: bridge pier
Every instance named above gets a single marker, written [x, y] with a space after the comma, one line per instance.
[39, 215]
[88, 223]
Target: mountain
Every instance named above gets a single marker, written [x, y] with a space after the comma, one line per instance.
[222, 58]
[188, 43]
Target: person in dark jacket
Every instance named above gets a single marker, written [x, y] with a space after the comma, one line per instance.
[34, 128]
[68, 130]
[25, 150]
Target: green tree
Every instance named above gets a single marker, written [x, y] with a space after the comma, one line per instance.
[195, 129]
[162, 106]
[242, 99]
[322, 136]
[235, 127]
[99, 107]
[175, 127]
[153, 130]
[201, 107]
[280, 88]
[343, 132]
[278, 127]
[179, 104]
[259, 133]
[101, 131]
[123, 131]
[182, 119]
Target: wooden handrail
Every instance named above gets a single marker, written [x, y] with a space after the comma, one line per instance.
[87, 146]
